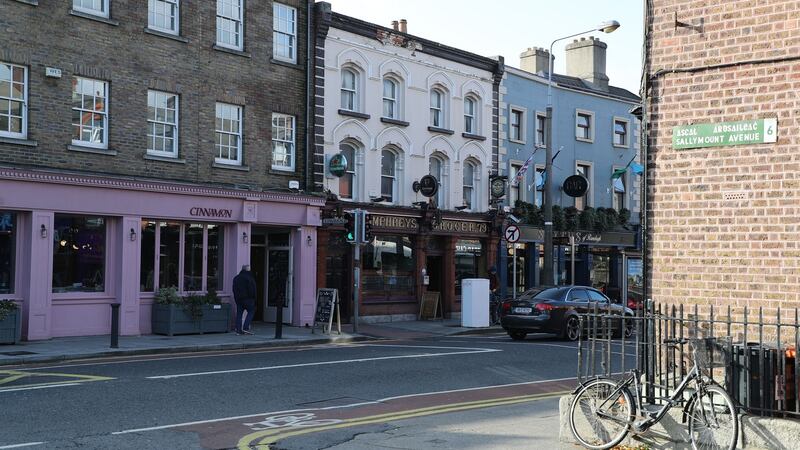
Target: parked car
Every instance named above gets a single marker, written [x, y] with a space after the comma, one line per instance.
[557, 310]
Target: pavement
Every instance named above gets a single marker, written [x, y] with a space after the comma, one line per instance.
[87, 347]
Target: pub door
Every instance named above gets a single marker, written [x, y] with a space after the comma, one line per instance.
[338, 274]
[279, 280]
[435, 276]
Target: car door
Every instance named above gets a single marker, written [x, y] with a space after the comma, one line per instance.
[603, 304]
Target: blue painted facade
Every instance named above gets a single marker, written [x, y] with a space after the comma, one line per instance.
[524, 96]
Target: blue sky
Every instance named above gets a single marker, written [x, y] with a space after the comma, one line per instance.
[508, 27]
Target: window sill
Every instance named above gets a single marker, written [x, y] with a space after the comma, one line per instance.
[231, 51]
[217, 165]
[166, 159]
[96, 151]
[398, 122]
[473, 136]
[285, 63]
[344, 112]
[440, 130]
[281, 170]
[163, 34]
[29, 2]
[590, 141]
[18, 141]
[621, 146]
[84, 15]
[516, 141]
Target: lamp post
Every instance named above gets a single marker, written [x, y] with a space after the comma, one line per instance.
[606, 27]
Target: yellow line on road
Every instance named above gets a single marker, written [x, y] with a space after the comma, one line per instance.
[14, 375]
[265, 438]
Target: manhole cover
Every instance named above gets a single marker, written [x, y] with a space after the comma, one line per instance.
[19, 353]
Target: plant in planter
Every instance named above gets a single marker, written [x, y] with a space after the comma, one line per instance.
[10, 322]
[191, 314]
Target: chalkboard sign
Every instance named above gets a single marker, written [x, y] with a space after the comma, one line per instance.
[429, 307]
[327, 302]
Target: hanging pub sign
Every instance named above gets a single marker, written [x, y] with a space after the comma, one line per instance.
[337, 165]
[576, 186]
[428, 186]
[722, 134]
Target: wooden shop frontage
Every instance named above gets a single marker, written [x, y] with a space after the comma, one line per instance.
[411, 252]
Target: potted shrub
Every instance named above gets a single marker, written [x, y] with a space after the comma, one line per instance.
[192, 314]
[216, 316]
[10, 322]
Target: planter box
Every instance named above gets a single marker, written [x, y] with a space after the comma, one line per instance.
[11, 328]
[174, 319]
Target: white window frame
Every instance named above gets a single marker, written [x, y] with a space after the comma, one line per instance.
[354, 91]
[513, 166]
[627, 123]
[590, 191]
[475, 182]
[624, 179]
[543, 116]
[291, 20]
[292, 142]
[106, 103]
[475, 116]
[394, 176]
[152, 151]
[442, 194]
[539, 168]
[351, 170]
[523, 113]
[239, 21]
[104, 5]
[151, 13]
[240, 134]
[395, 101]
[590, 114]
[24, 129]
[437, 112]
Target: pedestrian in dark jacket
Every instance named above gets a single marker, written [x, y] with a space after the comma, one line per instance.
[244, 293]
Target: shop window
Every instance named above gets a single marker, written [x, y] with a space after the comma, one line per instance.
[79, 253]
[389, 265]
[168, 247]
[8, 252]
[468, 253]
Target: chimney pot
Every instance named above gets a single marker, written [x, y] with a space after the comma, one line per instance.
[535, 60]
[586, 59]
[403, 26]
[395, 25]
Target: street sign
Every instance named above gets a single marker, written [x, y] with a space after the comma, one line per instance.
[334, 221]
[512, 233]
[576, 186]
[720, 134]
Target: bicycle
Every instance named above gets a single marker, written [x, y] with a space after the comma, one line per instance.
[495, 304]
[603, 411]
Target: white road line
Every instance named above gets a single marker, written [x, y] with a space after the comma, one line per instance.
[31, 388]
[28, 444]
[322, 363]
[351, 405]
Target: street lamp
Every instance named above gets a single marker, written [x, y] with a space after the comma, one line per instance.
[606, 27]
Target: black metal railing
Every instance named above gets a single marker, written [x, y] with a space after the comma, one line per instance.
[761, 371]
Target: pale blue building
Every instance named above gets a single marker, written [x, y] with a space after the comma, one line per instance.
[594, 134]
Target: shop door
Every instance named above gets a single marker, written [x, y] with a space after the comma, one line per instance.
[279, 283]
[434, 268]
[258, 257]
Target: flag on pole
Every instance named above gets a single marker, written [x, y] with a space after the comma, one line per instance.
[521, 172]
[637, 168]
[618, 173]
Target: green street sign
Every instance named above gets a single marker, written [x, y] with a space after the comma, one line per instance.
[723, 134]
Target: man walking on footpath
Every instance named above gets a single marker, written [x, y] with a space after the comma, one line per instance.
[244, 293]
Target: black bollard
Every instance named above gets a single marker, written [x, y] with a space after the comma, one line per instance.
[115, 325]
[279, 320]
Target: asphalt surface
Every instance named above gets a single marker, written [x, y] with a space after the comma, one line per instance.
[284, 397]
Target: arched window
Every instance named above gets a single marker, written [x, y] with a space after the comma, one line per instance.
[347, 182]
[349, 90]
[470, 116]
[470, 168]
[389, 175]
[437, 108]
[436, 168]
[390, 101]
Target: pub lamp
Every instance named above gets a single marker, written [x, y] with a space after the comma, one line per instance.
[43, 231]
[133, 235]
[244, 237]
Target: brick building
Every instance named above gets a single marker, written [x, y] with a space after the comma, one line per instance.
[147, 145]
[721, 117]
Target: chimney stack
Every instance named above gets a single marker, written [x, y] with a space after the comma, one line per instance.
[586, 59]
[535, 60]
[395, 25]
[403, 26]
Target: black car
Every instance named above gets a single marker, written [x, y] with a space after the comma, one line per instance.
[557, 310]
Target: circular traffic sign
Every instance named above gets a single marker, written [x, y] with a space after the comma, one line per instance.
[428, 186]
[512, 233]
[576, 186]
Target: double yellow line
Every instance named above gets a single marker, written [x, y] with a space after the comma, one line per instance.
[262, 439]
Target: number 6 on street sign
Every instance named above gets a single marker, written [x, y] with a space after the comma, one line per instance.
[512, 234]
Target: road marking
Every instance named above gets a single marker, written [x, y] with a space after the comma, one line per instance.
[15, 375]
[351, 405]
[328, 363]
[42, 386]
[28, 444]
[265, 438]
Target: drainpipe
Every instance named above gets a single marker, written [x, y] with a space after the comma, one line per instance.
[310, 96]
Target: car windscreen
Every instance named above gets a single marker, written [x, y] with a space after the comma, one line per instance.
[549, 294]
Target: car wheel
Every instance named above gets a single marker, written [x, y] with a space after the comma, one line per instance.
[572, 329]
[630, 326]
[517, 335]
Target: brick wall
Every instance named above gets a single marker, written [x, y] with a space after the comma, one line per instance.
[132, 61]
[743, 64]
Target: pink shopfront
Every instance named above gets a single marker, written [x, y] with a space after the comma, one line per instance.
[72, 245]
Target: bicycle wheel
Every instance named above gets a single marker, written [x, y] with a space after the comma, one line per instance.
[600, 414]
[713, 421]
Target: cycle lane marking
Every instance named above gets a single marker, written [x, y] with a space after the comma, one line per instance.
[462, 351]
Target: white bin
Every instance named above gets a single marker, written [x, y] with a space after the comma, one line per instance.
[474, 302]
